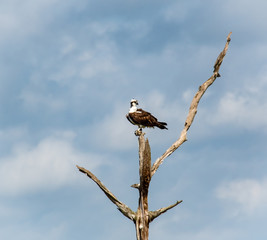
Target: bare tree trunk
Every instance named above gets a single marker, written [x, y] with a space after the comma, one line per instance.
[142, 215]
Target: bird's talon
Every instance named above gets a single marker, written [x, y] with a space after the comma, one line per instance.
[138, 132]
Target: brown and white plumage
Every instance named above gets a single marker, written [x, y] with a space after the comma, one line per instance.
[142, 119]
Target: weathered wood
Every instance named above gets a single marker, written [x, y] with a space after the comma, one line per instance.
[155, 214]
[124, 209]
[142, 214]
[193, 108]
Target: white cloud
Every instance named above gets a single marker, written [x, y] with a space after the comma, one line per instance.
[251, 15]
[246, 108]
[243, 196]
[22, 19]
[243, 111]
[207, 231]
[48, 165]
[179, 11]
[23, 231]
[156, 102]
[112, 131]
[19, 19]
[9, 134]
[35, 100]
[99, 62]
[84, 69]
[211, 233]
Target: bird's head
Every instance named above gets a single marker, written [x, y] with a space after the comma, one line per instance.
[134, 102]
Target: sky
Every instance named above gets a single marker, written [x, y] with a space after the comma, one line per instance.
[68, 70]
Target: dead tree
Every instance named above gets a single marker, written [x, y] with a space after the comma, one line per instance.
[142, 217]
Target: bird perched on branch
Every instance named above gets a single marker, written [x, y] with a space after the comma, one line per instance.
[142, 119]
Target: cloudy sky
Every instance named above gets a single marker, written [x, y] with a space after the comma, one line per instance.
[68, 70]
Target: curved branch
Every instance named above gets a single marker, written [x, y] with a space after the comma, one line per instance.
[125, 210]
[154, 214]
[193, 108]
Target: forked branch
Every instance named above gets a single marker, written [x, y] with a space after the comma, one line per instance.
[143, 216]
[154, 214]
[193, 108]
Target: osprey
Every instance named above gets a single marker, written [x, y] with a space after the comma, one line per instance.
[141, 118]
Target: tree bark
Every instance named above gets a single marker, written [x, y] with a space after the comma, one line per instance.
[193, 108]
[142, 214]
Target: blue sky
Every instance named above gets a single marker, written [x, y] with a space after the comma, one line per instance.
[68, 70]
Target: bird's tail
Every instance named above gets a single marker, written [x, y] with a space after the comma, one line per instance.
[162, 125]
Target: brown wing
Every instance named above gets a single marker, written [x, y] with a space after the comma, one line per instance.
[144, 118]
